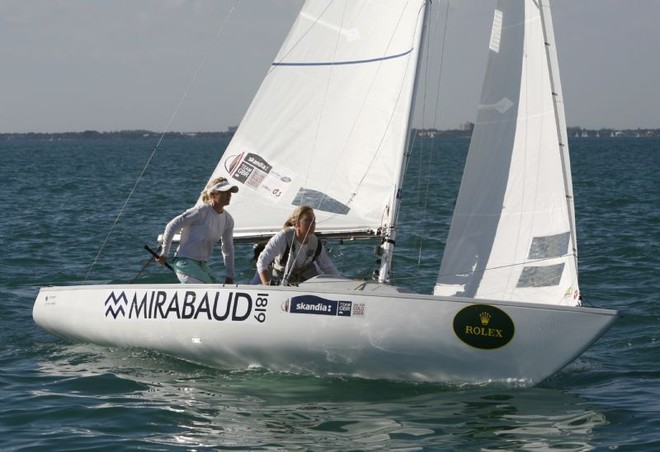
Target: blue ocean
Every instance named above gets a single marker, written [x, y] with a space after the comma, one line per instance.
[81, 210]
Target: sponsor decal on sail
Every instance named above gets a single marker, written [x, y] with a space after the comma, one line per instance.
[255, 172]
[483, 326]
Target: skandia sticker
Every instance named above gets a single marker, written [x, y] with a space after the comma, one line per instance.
[311, 304]
[255, 172]
[483, 326]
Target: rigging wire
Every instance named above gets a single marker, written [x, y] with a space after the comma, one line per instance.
[437, 108]
[434, 122]
[291, 263]
[184, 96]
[420, 162]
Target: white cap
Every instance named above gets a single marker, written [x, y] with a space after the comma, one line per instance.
[223, 186]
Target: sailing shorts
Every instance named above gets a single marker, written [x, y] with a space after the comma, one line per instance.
[190, 271]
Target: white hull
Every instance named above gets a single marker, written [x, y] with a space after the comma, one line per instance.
[351, 328]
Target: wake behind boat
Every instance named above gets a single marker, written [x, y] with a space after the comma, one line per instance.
[329, 127]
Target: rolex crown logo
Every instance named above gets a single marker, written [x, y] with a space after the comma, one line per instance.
[485, 318]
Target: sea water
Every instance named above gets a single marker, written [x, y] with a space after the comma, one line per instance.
[77, 211]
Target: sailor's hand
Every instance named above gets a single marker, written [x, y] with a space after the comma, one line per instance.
[162, 260]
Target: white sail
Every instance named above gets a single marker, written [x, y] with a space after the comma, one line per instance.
[512, 236]
[330, 121]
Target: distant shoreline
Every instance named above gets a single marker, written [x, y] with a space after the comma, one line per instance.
[466, 132]
[123, 134]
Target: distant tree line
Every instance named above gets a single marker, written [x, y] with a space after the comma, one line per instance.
[124, 134]
[573, 132]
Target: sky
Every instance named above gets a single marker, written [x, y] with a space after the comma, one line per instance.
[194, 65]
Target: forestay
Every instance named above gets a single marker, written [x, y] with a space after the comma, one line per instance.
[512, 236]
[329, 124]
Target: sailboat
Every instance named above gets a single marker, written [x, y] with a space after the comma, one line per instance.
[329, 127]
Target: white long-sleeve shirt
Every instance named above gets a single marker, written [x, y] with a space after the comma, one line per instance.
[201, 228]
[303, 253]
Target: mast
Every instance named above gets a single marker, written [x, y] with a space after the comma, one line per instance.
[386, 249]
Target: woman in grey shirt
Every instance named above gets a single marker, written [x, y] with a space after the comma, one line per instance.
[201, 228]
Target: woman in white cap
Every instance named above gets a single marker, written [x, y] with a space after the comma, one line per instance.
[201, 228]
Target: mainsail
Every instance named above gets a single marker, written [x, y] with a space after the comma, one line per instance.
[330, 121]
[512, 236]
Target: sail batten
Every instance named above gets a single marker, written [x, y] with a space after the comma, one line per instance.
[340, 63]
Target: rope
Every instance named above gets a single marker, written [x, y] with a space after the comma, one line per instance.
[291, 263]
[160, 139]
